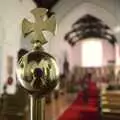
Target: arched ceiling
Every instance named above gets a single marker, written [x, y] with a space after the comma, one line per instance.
[89, 26]
[66, 18]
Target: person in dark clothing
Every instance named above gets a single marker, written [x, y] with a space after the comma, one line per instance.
[85, 86]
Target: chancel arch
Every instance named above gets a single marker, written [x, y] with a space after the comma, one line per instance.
[95, 37]
[72, 16]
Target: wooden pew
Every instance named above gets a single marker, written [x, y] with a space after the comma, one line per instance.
[110, 105]
[13, 106]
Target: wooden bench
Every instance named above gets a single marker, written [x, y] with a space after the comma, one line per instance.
[110, 105]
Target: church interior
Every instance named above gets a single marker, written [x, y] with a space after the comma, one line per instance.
[86, 47]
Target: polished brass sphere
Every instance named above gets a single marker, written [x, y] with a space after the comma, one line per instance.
[37, 72]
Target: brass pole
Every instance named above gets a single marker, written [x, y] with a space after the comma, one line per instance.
[37, 108]
[37, 70]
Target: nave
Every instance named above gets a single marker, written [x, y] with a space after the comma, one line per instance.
[86, 42]
[82, 110]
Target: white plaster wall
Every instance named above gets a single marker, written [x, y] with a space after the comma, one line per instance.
[11, 14]
[67, 6]
[117, 57]
[77, 55]
[108, 52]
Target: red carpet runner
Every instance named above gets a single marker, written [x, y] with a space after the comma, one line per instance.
[81, 111]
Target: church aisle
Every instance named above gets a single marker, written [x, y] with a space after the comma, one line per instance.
[83, 111]
[57, 106]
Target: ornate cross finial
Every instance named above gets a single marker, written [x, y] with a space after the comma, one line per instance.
[42, 23]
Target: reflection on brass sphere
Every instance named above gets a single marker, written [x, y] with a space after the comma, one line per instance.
[37, 72]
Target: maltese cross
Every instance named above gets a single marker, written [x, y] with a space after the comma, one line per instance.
[42, 23]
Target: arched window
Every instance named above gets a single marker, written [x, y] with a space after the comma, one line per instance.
[92, 53]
